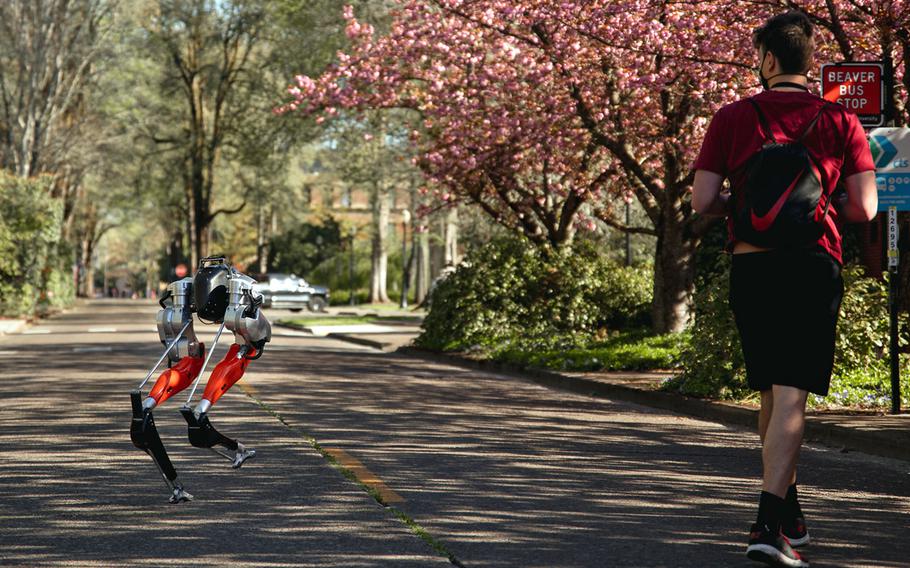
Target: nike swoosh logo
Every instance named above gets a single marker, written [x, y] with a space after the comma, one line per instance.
[764, 222]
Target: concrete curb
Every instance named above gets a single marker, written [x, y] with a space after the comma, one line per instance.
[339, 336]
[292, 326]
[8, 326]
[822, 428]
[359, 341]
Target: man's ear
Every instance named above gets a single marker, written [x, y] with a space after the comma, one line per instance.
[773, 66]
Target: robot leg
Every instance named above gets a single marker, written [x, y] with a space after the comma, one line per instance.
[144, 436]
[184, 352]
[175, 379]
[201, 433]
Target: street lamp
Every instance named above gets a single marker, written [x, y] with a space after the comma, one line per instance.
[405, 220]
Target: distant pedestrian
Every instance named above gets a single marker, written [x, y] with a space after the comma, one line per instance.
[784, 153]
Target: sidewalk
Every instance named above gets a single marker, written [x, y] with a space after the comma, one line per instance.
[881, 435]
[8, 326]
[871, 433]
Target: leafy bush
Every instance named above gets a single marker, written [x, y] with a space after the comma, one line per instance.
[712, 362]
[304, 246]
[34, 269]
[862, 375]
[342, 297]
[713, 365]
[510, 296]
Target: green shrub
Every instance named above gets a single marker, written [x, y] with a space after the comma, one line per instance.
[34, 265]
[862, 375]
[508, 295]
[343, 297]
[713, 365]
[302, 247]
[712, 361]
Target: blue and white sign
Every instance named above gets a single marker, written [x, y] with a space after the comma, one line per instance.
[891, 153]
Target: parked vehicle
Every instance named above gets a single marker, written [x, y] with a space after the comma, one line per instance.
[291, 292]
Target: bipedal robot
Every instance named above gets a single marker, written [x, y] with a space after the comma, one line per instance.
[220, 294]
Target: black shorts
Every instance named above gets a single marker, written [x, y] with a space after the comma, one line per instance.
[786, 303]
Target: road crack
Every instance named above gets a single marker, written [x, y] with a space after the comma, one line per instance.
[370, 489]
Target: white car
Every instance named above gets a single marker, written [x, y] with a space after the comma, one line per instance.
[291, 292]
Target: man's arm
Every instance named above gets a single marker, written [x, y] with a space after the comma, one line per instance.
[861, 202]
[707, 197]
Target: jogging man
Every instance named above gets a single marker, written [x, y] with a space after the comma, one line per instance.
[785, 281]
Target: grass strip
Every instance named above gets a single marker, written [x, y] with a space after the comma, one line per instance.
[415, 527]
[624, 351]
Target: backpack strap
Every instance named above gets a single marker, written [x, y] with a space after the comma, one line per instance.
[763, 121]
[766, 126]
[814, 120]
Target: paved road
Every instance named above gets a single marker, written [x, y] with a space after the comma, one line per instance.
[492, 470]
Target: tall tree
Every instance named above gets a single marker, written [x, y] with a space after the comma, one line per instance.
[371, 152]
[211, 52]
[538, 114]
[47, 52]
[543, 113]
[52, 54]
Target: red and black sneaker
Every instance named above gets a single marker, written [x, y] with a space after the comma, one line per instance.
[772, 549]
[796, 532]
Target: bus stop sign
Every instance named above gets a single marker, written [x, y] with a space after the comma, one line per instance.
[891, 152]
[857, 86]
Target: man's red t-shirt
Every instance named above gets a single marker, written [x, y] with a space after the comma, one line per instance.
[837, 143]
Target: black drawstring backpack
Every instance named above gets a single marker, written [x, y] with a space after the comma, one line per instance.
[778, 202]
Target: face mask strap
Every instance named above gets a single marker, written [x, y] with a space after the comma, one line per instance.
[765, 81]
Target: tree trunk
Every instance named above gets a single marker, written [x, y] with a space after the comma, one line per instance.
[381, 217]
[191, 230]
[84, 287]
[674, 278]
[450, 237]
[262, 249]
[422, 273]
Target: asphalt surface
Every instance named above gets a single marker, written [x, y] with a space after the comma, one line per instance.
[491, 469]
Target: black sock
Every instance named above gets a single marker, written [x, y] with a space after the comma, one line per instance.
[793, 508]
[770, 510]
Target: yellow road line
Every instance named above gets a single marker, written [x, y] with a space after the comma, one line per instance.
[347, 461]
[364, 475]
[248, 389]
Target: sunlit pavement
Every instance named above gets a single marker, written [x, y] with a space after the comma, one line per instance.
[496, 471]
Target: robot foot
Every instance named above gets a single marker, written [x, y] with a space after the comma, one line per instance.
[202, 434]
[180, 495]
[242, 455]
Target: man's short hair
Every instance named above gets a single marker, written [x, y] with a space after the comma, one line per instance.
[789, 37]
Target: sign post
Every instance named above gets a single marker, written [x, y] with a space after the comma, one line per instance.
[891, 152]
[857, 86]
[893, 298]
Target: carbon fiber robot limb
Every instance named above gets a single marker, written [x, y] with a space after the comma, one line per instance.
[184, 354]
[243, 317]
[222, 295]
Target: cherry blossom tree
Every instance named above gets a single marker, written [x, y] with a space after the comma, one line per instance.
[546, 113]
